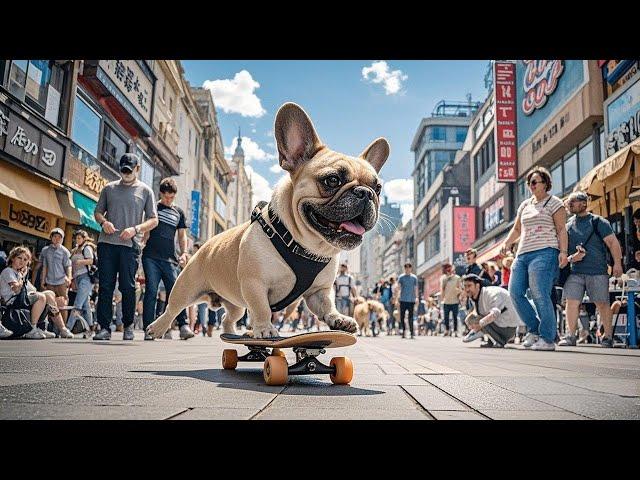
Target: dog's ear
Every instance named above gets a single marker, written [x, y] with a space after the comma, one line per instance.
[296, 138]
[377, 153]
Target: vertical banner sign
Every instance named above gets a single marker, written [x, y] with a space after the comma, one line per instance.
[505, 131]
[195, 213]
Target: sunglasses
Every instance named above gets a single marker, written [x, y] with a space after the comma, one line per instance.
[533, 183]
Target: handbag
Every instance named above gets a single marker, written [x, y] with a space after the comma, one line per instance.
[16, 315]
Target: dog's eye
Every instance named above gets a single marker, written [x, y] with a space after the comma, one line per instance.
[378, 189]
[332, 182]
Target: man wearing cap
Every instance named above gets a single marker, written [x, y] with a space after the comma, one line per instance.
[126, 209]
[493, 314]
[56, 267]
[589, 237]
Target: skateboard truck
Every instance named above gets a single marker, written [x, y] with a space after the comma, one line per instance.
[306, 362]
[256, 354]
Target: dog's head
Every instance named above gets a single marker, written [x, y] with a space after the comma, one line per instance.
[334, 198]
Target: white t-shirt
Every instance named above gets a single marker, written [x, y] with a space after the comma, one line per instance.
[9, 275]
[344, 282]
[538, 227]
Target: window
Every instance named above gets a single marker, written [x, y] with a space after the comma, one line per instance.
[85, 128]
[39, 83]
[478, 130]
[421, 253]
[556, 179]
[461, 134]
[113, 147]
[146, 168]
[521, 191]
[438, 134]
[221, 207]
[603, 154]
[570, 170]
[586, 158]
[219, 228]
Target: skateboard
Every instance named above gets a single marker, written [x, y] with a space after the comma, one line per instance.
[306, 346]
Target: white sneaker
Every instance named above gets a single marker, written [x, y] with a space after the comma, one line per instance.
[471, 336]
[5, 332]
[34, 334]
[66, 333]
[543, 345]
[530, 339]
[47, 333]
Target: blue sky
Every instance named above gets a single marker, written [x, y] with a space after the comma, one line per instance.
[348, 110]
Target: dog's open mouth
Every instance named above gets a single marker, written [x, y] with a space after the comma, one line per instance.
[352, 226]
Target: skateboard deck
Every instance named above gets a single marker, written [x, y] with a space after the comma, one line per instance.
[330, 339]
[306, 346]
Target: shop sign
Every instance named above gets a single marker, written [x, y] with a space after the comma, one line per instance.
[494, 214]
[195, 213]
[613, 70]
[464, 228]
[505, 130]
[25, 218]
[540, 81]
[623, 119]
[549, 133]
[27, 143]
[85, 174]
[432, 283]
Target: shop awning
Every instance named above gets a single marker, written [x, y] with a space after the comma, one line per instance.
[28, 188]
[86, 207]
[491, 252]
[68, 210]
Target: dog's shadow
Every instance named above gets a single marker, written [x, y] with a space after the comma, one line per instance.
[251, 379]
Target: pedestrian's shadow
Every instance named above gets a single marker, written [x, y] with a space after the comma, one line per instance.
[252, 379]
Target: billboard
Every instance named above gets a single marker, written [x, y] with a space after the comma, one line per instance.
[505, 130]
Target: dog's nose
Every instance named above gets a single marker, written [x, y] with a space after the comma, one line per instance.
[362, 192]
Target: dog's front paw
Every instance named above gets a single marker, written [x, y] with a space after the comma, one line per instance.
[341, 322]
[266, 331]
[157, 329]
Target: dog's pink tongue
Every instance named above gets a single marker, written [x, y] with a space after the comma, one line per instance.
[353, 227]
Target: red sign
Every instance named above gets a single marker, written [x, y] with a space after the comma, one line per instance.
[432, 282]
[464, 228]
[505, 131]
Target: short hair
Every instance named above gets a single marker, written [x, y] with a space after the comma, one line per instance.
[544, 173]
[344, 265]
[168, 185]
[472, 277]
[636, 214]
[408, 264]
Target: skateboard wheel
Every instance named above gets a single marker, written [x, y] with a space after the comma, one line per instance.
[276, 352]
[229, 359]
[276, 370]
[344, 370]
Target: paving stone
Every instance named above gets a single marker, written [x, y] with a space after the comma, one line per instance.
[531, 415]
[455, 415]
[599, 407]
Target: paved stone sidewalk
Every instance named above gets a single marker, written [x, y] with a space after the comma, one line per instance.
[423, 379]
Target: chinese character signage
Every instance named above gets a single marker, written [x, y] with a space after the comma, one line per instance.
[27, 143]
[195, 213]
[128, 82]
[623, 119]
[505, 131]
[464, 228]
[86, 174]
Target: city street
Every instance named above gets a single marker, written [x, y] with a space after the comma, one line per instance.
[430, 378]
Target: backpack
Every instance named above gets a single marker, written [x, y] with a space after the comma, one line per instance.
[92, 269]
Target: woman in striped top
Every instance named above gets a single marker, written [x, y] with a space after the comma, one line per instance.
[541, 227]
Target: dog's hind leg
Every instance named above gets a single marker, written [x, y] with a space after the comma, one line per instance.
[234, 313]
[185, 292]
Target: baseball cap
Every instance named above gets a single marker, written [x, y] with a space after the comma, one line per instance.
[56, 230]
[129, 161]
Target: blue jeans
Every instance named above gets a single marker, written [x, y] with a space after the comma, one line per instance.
[202, 315]
[536, 271]
[81, 303]
[154, 271]
[343, 304]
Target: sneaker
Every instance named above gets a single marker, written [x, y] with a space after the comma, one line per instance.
[148, 336]
[66, 333]
[471, 336]
[128, 333]
[47, 333]
[104, 334]
[584, 337]
[5, 332]
[568, 341]
[168, 335]
[487, 344]
[606, 342]
[185, 332]
[543, 345]
[530, 339]
[34, 334]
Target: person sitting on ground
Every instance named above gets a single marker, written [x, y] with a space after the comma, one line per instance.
[493, 315]
[13, 279]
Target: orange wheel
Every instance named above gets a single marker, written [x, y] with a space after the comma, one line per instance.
[276, 352]
[344, 370]
[276, 370]
[229, 359]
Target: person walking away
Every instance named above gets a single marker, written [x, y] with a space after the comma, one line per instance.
[408, 298]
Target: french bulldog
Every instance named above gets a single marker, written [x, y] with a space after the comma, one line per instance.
[327, 202]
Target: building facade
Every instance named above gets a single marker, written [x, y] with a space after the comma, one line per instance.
[239, 193]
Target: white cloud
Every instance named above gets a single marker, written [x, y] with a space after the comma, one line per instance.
[237, 95]
[399, 190]
[252, 150]
[260, 185]
[275, 168]
[381, 73]
[407, 212]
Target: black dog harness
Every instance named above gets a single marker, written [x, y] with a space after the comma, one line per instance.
[305, 265]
